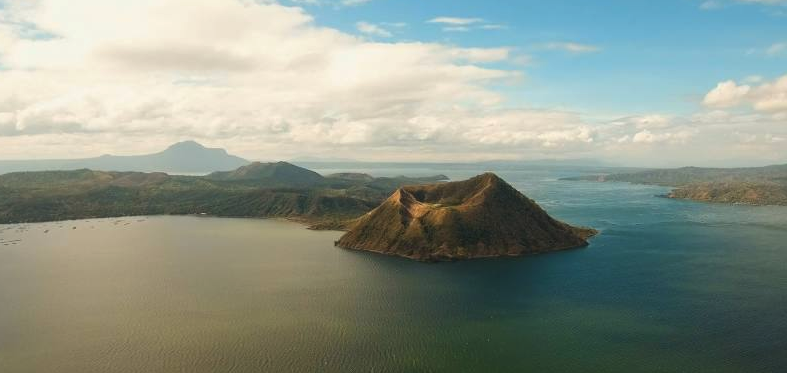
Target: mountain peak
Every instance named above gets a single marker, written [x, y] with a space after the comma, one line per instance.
[490, 176]
[186, 145]
[480, 217]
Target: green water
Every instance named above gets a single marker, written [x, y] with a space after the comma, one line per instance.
[669, 286]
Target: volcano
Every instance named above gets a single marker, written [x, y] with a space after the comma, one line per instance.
[480, 217]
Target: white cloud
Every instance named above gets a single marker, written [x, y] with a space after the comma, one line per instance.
[753, 79]
[493, 26]
[456, 21]
[480, 55]
[726, 94]
[572, 47]
[454, 24]
[768, 96]
[251, 73]
[266, 82]
[372, 29]
[651, 121]
[771, 96]
[456, 29]
[648, 137]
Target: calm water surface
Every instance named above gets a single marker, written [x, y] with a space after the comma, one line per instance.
[669, 286]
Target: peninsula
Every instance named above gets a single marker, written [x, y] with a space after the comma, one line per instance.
[747, 185]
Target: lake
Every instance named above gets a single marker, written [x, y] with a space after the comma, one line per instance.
[668, 286]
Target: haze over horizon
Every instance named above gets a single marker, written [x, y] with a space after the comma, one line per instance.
[192, 153]
[670, 83]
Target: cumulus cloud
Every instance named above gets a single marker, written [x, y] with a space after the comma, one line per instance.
[726, 94]
[768, 96]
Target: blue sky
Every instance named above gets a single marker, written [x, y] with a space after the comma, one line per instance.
[653, 55]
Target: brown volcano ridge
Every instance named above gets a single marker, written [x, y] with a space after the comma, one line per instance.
[480, 217]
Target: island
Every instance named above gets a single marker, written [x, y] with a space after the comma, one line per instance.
[746, 185]
[477, 218]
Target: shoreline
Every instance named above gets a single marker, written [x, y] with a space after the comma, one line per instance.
[303, 222]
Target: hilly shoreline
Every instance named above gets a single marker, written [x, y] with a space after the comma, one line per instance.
[749, 185]
[275, 189]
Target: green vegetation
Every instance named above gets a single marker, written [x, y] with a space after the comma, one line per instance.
[257, 190]
[281, 173]
[751, 185]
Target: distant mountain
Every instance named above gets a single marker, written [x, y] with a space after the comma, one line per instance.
[279, 172]
[747, 185]
[480, 217]
[182, 157]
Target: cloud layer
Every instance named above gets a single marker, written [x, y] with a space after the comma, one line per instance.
[85, 77]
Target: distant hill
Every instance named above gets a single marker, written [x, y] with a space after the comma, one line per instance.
[746, 185]
[480, 217]
[689, 175]
[182, 157]
[271, 173]
[351, 176]
[256, 190]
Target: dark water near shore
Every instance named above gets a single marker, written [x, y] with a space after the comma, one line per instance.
[669, 286]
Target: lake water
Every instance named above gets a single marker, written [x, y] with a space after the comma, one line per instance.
[668, 286]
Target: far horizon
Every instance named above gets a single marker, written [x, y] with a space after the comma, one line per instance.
[590, 162]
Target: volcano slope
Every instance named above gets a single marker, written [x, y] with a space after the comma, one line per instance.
[480, 217]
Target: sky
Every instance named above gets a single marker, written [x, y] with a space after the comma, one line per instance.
[640, 83]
